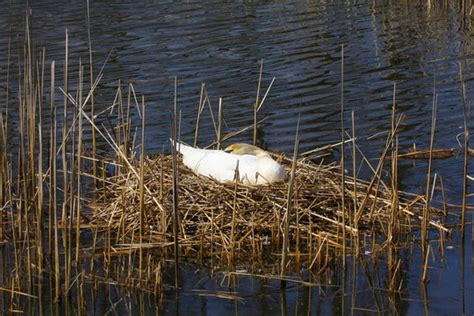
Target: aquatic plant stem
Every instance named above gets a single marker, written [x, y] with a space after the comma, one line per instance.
[142, 193]
[466, 115]
[343, 175]
[255, 107]
[175, 192]
[289, 204]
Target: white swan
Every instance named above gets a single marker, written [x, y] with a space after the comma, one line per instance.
[255, 165]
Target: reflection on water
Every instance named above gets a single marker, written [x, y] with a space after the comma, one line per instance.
[414, 44]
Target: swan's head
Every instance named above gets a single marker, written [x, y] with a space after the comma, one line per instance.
[246, 149]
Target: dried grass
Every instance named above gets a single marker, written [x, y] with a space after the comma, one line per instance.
[206, 212]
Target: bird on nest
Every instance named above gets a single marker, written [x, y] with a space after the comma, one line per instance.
[255, 166]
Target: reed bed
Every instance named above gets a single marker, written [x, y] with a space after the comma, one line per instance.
[236, 225]
[72, 219]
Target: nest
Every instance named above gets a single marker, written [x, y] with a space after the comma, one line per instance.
[244, 224]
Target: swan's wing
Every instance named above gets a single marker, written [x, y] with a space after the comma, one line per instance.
[220, 165]
[215, 164]
[270, 171]
[247, 168]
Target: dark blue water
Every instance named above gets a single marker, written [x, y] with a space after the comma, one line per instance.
[411, 45]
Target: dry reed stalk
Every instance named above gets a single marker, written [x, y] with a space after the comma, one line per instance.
[70, 211]
[40, 176]
[39, 214]
[255, 106]
[142, 192]
[24, 157]
[378, 169]
[443, 196]
[392, 231]
[234, 214]
[204, 224]
[64, 160]
[128, 128]
[109, 139]
[3, 172]
[297, 235]
[343, 176]
[424, 228]
[313, 218]
[355, 224]
[7, 80]
[53, 219]
[78, 169]
[174, 137]
[219, 124]
[232, 134]
[91, 77]
[118, 129]
[288, 211]
[211, 112]
[199, 112]
[425, 265]
[354, 282]
[394, 223]
[466, 115]
[265, 95]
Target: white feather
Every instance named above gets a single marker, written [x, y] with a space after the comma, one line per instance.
[220, 165]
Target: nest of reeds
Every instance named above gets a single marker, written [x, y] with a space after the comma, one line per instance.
[244, 224]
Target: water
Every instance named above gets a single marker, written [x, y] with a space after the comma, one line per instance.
[406, 43]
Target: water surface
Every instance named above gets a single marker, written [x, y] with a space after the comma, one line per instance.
[404, 46]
